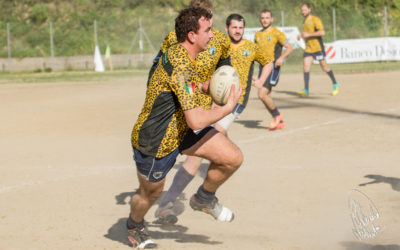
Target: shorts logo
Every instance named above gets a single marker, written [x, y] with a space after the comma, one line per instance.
[212, 51]
[246, 53]
[190, 87]
[157, 175]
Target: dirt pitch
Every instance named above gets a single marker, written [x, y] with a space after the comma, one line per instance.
[66, 171]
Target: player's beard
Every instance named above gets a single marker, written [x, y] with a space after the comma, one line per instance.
[235, 40]
[266, 27]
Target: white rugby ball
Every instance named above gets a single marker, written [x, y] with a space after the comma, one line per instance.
[220, 84]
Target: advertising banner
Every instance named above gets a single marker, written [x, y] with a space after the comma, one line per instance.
[363, 50]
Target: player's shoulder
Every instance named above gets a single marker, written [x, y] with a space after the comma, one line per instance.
[220, 36]
[248, 42]
[171, 37]
[259, 32]
[315, 18]
[176, 55]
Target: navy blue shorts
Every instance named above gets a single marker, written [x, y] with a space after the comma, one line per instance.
[319, 56]
[273, 77]
[155, 169]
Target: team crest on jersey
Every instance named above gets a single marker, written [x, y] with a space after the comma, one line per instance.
[246, 53]
[212, 51]
[269, 38]
[190, 87]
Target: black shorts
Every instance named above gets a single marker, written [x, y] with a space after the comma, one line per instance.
[273, 77]
[319, 55]
[155, 169]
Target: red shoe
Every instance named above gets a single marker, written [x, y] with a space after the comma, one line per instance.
[276, 123]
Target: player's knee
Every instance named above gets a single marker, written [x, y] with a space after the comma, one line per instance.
[262, 92]
[152, 194]
[237, 159]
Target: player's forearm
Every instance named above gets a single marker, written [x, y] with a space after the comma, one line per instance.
[288, 51]
[266, 70]
[199, 118]
[318, 33]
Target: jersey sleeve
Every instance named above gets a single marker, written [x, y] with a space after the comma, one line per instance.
[318, 24]
[261, 56]
[184, 87]
[256, 37]
[282, 38]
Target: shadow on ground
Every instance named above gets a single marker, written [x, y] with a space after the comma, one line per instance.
[251, 123]
[394, 182]
[299, 103]
[118, 232]
[365, 246]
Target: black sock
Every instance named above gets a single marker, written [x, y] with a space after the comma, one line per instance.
[275, 112]
[131, 224]
[306, 79]
[330, 74]
[204, 196]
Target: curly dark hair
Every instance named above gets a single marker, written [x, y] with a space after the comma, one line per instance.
[188, 20]
[206, 4]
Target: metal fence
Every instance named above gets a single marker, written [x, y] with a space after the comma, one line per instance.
[144, 35]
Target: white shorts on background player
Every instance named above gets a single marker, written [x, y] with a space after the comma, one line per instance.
[227, 121]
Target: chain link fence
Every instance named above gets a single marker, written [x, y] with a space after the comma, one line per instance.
[138, 38]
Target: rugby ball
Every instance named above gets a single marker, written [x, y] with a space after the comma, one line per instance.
[220, 84]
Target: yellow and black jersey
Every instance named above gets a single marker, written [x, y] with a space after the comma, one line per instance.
[161, 125]
[313, 24]
[217, 54]
[271, 40]
[243, 56]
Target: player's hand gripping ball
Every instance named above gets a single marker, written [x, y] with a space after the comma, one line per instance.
[220, 84]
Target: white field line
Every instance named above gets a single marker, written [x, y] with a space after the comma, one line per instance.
[308, 127]
[99, 171]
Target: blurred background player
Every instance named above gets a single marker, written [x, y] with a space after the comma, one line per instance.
[173, 120]
[243, 53]
[271, 40]
[312, 34]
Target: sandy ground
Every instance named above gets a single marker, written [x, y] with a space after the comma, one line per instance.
[66, 170]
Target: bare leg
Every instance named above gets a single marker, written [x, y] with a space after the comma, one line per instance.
[142, 201]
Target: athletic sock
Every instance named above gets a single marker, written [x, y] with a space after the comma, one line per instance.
[275, 112]
[306, 79]
[330, 74]
[204, 196]
[131, 224]
[181, 180]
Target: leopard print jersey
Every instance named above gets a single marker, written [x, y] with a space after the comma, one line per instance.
[207, 61]
[161, 125]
